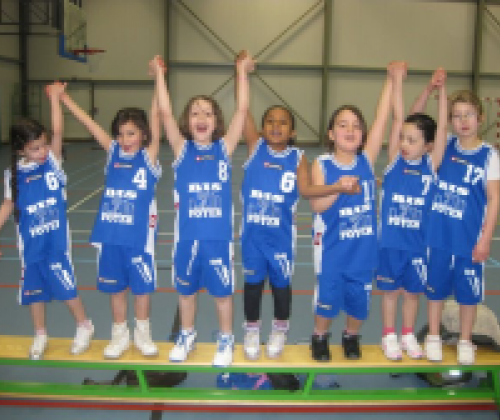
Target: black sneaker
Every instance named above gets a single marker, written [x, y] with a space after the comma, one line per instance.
[350, 344]
[320, 348]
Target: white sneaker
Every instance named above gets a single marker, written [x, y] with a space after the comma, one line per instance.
[142, 339]
[433, 348]
[224, 354]
[38, 347]
[120, 341]
[81, 342]
[410, 345]
[251, 343]
[183, 346]
[391, 347]
[276, 342]
[466, 352]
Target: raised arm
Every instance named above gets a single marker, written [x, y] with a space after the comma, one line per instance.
[172, 132]
[244, 65]
[54, 92]
[442, 123]
[154, 123]
[250, 131]
[398, 73]
[421, 102]
[101, 136]
[346, 184]
[377, 129]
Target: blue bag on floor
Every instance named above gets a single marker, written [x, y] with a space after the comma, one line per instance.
[243, 381]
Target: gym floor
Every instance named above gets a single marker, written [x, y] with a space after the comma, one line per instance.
[84, 166]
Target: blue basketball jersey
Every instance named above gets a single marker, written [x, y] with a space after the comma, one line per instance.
[41, 200]
[127, 213]
[202, 192]
[269, 194]
[404, 204]
[347, 230]
[459, 203]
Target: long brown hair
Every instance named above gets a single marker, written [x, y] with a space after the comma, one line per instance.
[359, 115]
[219, 118]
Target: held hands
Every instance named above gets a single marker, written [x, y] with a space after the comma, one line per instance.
[348, 184]
[244, 62]
[157, 65]
[55, 90]
[397, 69]
[438, 78]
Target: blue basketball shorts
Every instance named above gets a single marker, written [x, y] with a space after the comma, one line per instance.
[350, 292]
[51, 278]
[401, 269]
[121, 267]
[449, 274]
[204, 264]
[261, 259]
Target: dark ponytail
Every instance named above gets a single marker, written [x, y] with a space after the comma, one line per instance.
[21, 133]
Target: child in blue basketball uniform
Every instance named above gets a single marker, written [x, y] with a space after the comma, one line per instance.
[344, 226]
[126, 223]
[404, 211]
[203, 249]
[274, 176]
[35, 193]
[462, 221]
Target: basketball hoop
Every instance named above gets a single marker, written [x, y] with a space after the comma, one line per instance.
[92, 55]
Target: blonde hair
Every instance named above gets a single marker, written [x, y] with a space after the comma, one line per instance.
[467, 97]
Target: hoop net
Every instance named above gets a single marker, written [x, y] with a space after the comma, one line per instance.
[93, 56]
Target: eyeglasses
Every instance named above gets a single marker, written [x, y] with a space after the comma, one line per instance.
[464, 116]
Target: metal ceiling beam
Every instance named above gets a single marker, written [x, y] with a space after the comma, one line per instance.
[478, 46]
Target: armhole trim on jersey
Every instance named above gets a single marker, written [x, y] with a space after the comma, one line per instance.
[321, 161]
[56, 164]
[178, 160]
[255, 150]
[391, 165]
[155, 169]
[222, 141]
[300, 153]
[111, 150]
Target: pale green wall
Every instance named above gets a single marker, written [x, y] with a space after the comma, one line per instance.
[365, 33]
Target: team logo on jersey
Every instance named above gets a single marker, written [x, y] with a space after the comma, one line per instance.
[270, 165]
[385, 279]
[205, 157]
[459, 160]
[120, 165]
[407, 171]
[33, 178]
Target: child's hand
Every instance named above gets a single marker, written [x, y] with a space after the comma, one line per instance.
[157, 65]
[244, 62]
[438, 77]
[397, 69]
[481, 251]
[55, 90]
[348, 184]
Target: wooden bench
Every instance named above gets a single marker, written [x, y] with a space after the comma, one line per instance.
[295, 359]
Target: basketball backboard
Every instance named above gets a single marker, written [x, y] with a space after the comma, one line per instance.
[73, 36]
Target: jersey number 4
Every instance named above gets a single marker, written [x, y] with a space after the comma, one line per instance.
[140, 179]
